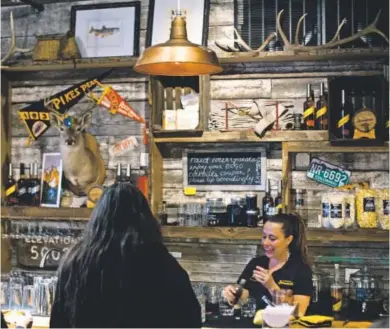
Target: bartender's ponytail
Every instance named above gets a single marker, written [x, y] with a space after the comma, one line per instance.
[294, 225]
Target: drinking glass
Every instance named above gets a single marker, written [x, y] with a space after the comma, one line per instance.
[15, 296]
[4, 296]
[28, 302]
[225, 309]
[248, 308]
[202, 303]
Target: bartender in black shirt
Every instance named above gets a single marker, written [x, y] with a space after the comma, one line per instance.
[284, 265]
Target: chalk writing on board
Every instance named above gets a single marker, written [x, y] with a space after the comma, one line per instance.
[224, 168]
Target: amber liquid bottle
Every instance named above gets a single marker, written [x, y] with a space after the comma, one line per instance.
[309, 111]
[322, 110]
[35, 186]
[11, 195]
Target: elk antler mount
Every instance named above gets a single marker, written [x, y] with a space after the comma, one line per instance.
[13, 49]
[244, 49]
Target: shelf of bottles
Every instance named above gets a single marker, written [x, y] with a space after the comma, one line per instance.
[237, 212]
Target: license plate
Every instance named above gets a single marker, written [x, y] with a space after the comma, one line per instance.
[327, 173]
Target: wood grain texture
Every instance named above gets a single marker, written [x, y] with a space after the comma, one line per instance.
[233, 89]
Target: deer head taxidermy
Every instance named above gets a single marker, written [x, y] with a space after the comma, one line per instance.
[242, 48]
[12, 48]
[83, 165]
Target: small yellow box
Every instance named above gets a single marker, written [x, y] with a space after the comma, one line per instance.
[190, 190]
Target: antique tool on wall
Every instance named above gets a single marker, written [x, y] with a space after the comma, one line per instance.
[83, 165]
[252, 112]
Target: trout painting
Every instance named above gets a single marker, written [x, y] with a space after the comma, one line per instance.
[103, 31]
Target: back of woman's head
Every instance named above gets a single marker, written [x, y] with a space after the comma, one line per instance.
[293, 225]
[101, 262]
[122, 215]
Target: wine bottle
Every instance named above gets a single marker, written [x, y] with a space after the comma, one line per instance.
[22, 187]
[11, 195]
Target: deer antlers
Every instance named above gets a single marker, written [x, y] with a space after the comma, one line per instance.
[13, 49]
[242, 46]
[332, 43]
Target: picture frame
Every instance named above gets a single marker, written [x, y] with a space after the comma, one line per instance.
[160, 15]
[107, 30]
[51, 180]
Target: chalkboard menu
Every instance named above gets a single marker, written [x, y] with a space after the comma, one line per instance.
[233, 169]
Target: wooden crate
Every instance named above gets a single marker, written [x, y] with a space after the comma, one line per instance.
[166, 94]
[48, 47]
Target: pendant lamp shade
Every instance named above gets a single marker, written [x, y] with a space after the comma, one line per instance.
[178, 56]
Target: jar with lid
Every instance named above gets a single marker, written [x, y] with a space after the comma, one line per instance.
[234, 212]
[243, 219]
[216, 214]
[252, 217]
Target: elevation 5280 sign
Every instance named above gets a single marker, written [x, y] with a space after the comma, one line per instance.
[327, 173]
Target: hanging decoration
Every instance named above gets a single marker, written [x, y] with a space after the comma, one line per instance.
[115, 103]
[36, 115]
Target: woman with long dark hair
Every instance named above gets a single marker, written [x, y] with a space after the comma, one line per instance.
[285, 264]
[120, 274]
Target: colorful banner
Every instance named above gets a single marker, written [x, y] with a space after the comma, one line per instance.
[115, 103]
[36, 116]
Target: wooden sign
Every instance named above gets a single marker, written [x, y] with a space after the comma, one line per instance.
[234, 169]
[31, 249]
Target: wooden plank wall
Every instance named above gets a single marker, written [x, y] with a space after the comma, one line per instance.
[205, 261]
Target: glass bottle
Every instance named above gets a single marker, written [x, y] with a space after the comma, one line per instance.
[163, 214]
[22, 187]
[336, 290]
[309, 110]
[267, 203]
[118, 177]
[322, 110]
[344, 124]
[11, 195]
[278, 199]
[35, 186]
[128, 174]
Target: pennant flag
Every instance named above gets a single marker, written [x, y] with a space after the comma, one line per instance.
[115, 103]
[36, 115]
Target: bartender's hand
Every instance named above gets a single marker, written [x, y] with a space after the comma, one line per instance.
[230, 290]
[265, 278]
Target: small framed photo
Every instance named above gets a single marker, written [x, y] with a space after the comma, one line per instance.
[51, 180]
[107, 30]
[160, 18]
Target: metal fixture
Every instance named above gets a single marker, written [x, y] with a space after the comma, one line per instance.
[178, 56]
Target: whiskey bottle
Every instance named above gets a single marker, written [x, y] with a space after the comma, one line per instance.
[322, 110]
[35, 186]
[29, 183]
[11, 195]
[267, 203]
[344, 124]
[22, 187]
[336, 290]
[118, 177]
[309, 110]
[278, 199]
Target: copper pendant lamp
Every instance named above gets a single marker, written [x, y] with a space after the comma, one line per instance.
[178, 56]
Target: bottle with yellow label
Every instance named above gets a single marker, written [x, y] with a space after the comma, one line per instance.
[322, 110]
[309, 110]
[11, 195]
[336, 290]
[344, 124]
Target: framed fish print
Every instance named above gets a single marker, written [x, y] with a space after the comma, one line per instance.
[160, 18]
[107, 30]
[51, 180]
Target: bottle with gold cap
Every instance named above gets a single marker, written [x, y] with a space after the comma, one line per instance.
[344, 125]
[11, 195]
[322, 110]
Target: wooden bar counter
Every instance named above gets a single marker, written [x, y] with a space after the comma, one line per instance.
[43, 323]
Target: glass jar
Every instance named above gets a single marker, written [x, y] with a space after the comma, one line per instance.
[216, 214]
[234, 212]
[251, 201]
[252, 217]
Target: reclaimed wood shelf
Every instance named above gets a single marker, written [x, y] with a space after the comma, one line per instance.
[43, 213]
[325, 147]
[248, 136]
[221, 233]
[359, 62]
[247, 233]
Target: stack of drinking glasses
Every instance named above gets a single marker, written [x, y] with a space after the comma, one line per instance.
[192, 214]
[31, 294]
